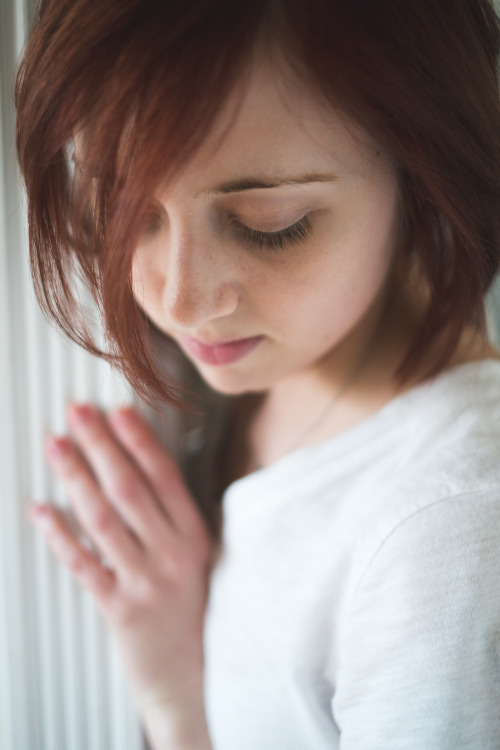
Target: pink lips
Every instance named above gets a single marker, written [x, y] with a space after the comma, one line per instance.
[223, 352]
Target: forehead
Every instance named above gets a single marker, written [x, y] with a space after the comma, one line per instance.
[274, 125]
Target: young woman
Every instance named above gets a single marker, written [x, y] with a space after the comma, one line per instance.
[302, 198]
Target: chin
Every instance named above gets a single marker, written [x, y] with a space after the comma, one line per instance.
[233, 383]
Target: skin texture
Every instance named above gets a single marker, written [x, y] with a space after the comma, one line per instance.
[152, 588]
[334, 310]
[197, 274]
[319, 306]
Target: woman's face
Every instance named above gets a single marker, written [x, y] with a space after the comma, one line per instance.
[269, 254]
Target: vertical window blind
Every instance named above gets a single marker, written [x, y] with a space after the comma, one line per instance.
[61, 683]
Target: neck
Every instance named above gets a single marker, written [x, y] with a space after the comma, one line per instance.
[303, 409]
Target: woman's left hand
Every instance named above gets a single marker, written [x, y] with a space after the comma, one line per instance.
[130, 499]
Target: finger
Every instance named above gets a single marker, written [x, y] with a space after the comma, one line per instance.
[71, 552]
[97, 517]
[160, 469]
[121, 481]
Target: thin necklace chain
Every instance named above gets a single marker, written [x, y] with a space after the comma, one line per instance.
[334, 401]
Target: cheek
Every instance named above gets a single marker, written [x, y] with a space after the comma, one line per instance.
[146, 282]
[342, 279]
[337, 303]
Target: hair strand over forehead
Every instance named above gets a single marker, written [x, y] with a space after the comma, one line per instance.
[137, 85]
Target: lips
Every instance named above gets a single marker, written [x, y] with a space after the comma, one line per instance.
[220, 352]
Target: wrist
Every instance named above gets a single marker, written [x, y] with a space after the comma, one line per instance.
[169, 728]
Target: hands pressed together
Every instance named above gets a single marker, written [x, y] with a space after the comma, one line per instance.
[150, 580]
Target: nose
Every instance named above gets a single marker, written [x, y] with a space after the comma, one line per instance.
[199, 285]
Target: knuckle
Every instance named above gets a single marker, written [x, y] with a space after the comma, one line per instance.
[102, 519]
[100, 581]
[76, 562]
[144, 590]
[125, 485]
[71, 467]
[141, 595]
[184, 567]
[123, 611]
[167, 565]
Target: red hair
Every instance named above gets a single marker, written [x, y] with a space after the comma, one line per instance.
[142, 82]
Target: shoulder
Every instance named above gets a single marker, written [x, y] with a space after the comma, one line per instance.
[449, 535]
[428, 530]
[444, 447]
[441, 509]
[420, 640]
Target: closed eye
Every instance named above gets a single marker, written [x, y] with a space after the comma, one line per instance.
[275, 241]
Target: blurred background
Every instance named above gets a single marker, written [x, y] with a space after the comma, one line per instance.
[61, 685]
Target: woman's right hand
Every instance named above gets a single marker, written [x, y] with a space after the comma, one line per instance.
[130, 499]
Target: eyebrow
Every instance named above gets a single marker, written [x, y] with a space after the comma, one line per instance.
[259, 183]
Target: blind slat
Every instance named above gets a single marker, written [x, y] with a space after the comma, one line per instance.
[61, 684]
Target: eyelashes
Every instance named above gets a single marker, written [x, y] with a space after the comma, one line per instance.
[275, 241]
[265, 241]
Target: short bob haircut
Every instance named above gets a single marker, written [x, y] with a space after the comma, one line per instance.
[142, 82]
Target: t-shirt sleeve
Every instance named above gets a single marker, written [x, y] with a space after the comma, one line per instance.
[420, 648]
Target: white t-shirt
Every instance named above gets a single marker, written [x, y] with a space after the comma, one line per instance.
[356, 603]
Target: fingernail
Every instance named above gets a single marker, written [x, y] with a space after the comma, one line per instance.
[124, 416]
[39, 514]
[57, 447]
[82, 413]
